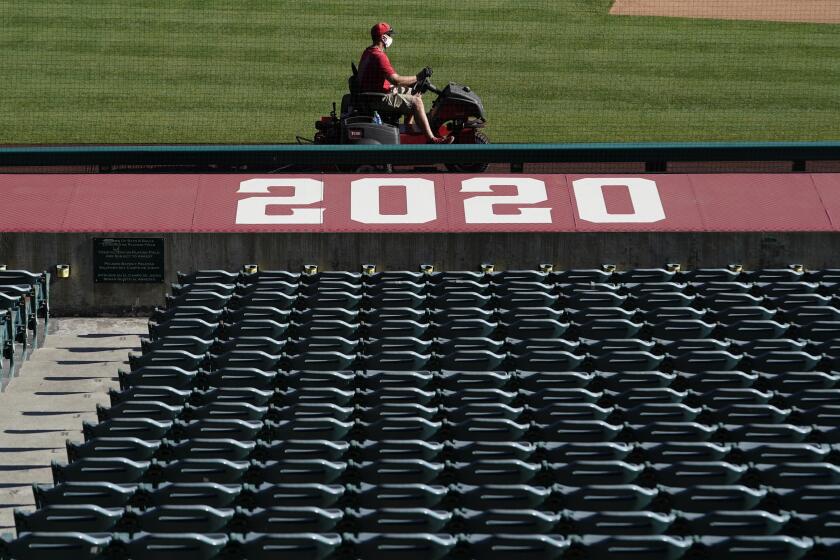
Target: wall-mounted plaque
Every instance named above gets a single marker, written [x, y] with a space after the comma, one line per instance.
[128, 259]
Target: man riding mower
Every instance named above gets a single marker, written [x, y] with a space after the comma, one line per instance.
[373, 117]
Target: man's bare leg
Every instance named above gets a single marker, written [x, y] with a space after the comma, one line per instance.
[422, 120]
[409, 122]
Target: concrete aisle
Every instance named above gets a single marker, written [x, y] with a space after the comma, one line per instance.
[56, 389]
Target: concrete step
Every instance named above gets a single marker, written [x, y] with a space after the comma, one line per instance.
[25, 475]
[52, 393]
[47, 439]
[32, 384]
[17, 497]
[59, 421]
[70, 368]
[62, 400]
[22, 456]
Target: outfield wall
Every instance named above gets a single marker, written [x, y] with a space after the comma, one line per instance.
[397, 222]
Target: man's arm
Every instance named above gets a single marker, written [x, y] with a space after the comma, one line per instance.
[402, 81]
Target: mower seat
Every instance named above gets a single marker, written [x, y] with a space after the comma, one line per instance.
[346, 104]
[365, 103]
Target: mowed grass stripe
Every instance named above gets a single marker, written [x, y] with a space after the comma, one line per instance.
[263, 71]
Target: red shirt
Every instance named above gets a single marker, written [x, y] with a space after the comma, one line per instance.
[374, 69]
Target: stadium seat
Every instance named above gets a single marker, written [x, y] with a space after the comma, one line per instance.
[416, 546]
[191, 344]
[211, 494]
[705, 498]
[472, 360]
[582, 276]
[519, 347]
[241, 378]
[535, 328]
[592, 414]
[667, 313]
[508, 496]
[214, 287]
[325, 314]
[618, 380]
[131, 448]
[587, 299]
[742, 546]
[379, 496]
[56, 546]
[141, 428]
[711, 275]
[649, 301]
[624, 522]
[820, 331]
[271, 299]
[208, 314]
[105, 469]
[183, 327]
[740, 313]
[717, 301]
[581, 316]
[548, 361]
[625, 547]
[645, 276]
[177, 358]
[538, 380]
[232, 316]
[673, 451]
[103, 494]
[679, 329]
[706, 360]
[628, 361]
[400, 520]
[60, 518]
[447, 346]
[146, 546]
[781, 289]
[264, 546]
[609, 328]
[755, 329]
[207, 448]
[182, 518]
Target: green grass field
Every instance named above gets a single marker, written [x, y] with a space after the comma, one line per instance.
[185, 71]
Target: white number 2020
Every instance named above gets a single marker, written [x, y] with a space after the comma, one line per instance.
[421, 202]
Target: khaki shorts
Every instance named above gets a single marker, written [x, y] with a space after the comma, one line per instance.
[399, 100]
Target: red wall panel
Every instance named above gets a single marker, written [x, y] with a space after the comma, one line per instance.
[419, 203]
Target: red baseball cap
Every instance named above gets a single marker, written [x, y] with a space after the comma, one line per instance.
[380, 29]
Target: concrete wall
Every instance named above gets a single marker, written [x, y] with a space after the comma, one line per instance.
[78, 295]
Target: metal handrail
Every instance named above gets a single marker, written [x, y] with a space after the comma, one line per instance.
[655, 155]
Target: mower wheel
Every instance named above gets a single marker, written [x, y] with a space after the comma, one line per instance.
[480, 138]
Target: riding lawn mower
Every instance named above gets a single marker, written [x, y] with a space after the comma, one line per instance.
[457, 111]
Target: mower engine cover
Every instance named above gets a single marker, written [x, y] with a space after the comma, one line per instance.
[359, 130]
[460, 92]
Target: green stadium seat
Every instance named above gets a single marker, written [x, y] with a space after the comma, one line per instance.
[55, 546]
[263, 546]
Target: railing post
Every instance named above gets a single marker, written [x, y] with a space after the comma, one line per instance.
[656, 166]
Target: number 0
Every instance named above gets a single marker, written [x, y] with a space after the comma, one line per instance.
[592, 207]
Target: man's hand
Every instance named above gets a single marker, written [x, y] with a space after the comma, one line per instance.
[424, 73]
